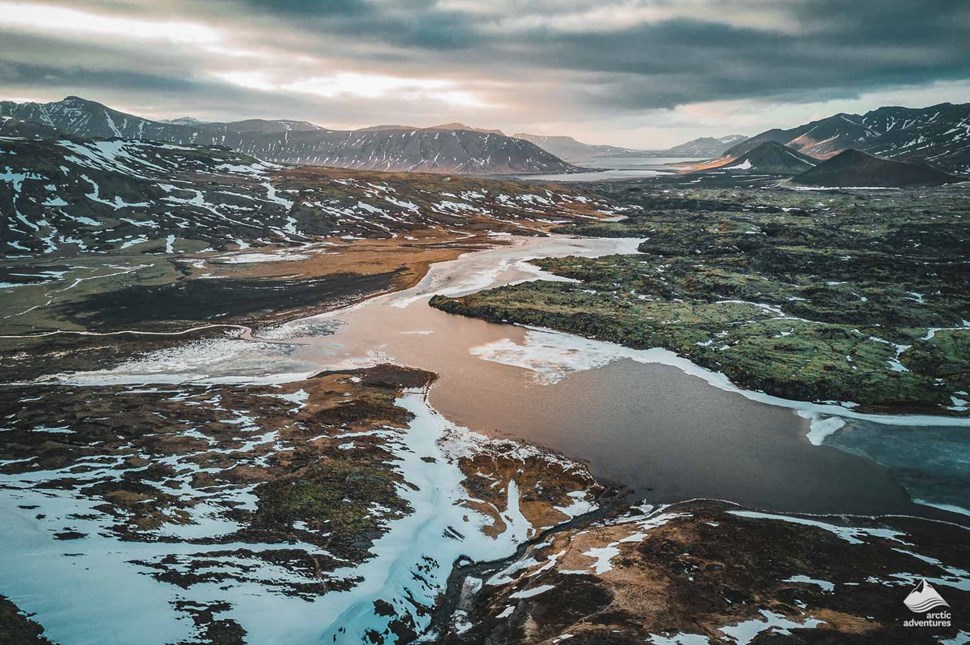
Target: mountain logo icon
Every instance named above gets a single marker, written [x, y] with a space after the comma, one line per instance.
[923, 598]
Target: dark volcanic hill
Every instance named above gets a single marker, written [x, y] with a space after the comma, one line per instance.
[770, 157]
[939, 135]
[450, 148]
[569, 149]
[705, 146]
[856, 168]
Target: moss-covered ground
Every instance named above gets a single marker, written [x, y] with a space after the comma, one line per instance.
[822, 296]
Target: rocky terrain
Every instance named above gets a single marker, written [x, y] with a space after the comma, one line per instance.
[451, 148]
[709, 572]
[853, 298]
[73, 195]
[939, 135]
[243, 508]
[217, 492]
[222, 492]
[108, 234]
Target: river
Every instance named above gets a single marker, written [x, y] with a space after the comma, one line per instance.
[646, 420]
[611, 168]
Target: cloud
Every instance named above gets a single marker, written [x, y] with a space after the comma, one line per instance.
[593, 65]
[312, 8]
[76, 79]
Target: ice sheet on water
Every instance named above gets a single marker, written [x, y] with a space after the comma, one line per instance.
[222, 360]
[553, 355]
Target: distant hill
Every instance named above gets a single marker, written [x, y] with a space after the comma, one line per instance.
[939, 135]
[65, 195]
[569, 149]
[449, 148]
[462, 126]
[443, 127]
[769, 157]
[705, 146]
[856, 168]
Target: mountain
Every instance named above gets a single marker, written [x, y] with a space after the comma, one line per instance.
[450, 148]
[462, 126]
[856, 168]
[769, 157]
[185, 120]
[705, 146]
[939, 134]
[443, 127]
[68, 195]
[569, 149]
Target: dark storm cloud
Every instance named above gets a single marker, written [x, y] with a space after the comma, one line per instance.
[406, 23]
[818, 49]
[610, 57]
[40, 76]
[685, 61]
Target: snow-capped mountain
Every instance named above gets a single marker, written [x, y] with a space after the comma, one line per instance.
[705, 146]
[451, 148]
[939, 135]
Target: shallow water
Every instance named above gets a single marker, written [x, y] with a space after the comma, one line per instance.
[609, 168]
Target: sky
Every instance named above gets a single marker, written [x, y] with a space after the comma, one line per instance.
[634, 73]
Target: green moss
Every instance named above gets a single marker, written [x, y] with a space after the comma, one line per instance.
[334, 495]
[800, 295]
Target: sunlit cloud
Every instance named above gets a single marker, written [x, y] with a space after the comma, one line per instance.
[72, 23]
[360, 85]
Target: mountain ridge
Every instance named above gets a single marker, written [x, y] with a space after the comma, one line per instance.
[705, 146]
[448, 148]
[938, 134]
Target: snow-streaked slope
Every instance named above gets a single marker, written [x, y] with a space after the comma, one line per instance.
[71, 195]
[451, 148]
[939, 135]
